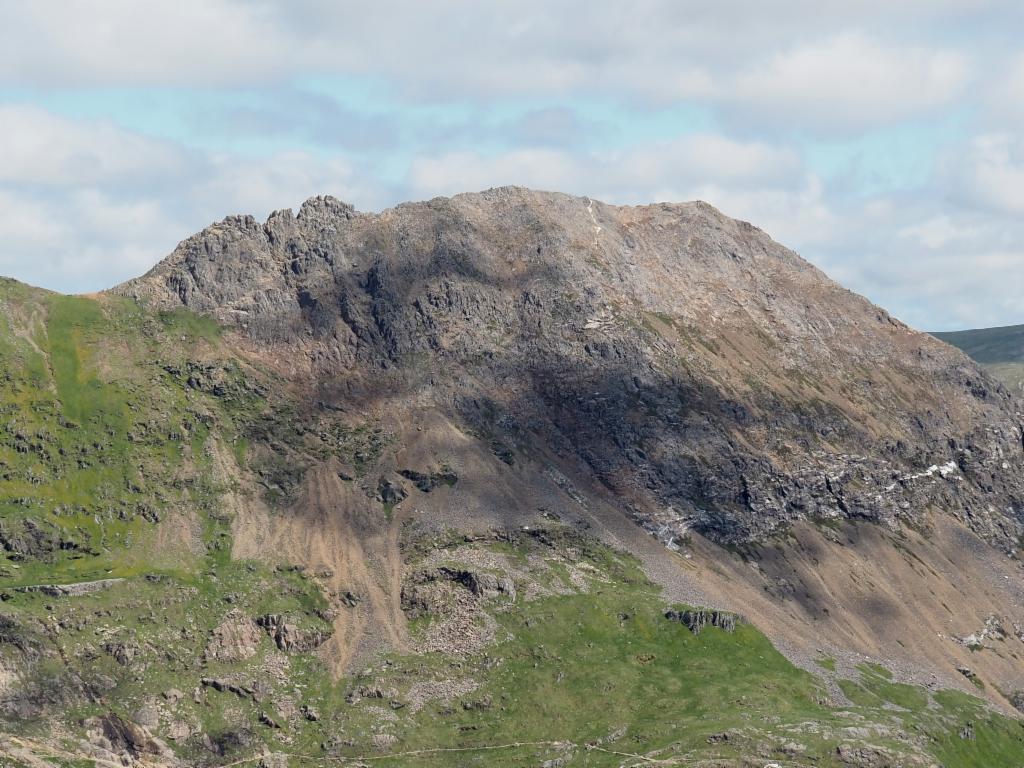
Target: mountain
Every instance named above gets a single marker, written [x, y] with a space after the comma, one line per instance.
[1000, 350]
[517, 474]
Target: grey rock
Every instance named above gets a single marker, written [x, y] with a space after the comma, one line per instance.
[273, 760]
[481, 704]
[226, 686]
[123, 738]
[148, 715]
[968, 673]
[421, 598]
[697, 620]
[428, 481]
[123, 652]
[390, 491]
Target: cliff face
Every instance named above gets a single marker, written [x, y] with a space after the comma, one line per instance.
[707, 377]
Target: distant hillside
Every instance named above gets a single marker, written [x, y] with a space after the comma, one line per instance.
[1001, 350]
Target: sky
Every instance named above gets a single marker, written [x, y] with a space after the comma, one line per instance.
[882, 140]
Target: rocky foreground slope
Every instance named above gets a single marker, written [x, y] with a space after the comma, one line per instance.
[511, 478]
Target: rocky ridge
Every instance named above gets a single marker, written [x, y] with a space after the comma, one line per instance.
[709, 378]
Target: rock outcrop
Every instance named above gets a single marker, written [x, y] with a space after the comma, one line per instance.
[117, 741]
[696, 620]
[424, 593]
[289, 636]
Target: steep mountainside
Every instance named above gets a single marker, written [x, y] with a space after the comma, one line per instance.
[511, 478]
[710, 379]
[1000, 350]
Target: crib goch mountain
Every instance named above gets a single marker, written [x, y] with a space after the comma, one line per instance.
[509, 478]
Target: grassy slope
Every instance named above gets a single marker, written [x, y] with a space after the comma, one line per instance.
[602, 667]
[1001, 350]
[69, 464]
[102, 434]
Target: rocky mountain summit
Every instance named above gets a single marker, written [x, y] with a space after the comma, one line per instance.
[709, 378]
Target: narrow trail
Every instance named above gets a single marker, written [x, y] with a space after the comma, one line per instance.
[33, 749]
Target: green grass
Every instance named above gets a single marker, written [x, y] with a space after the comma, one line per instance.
[102, 433]
[826, 663]
[190, 326]
[91, 436]
[875, 688]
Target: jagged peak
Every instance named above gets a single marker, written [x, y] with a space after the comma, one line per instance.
[320, 205]
[326, 212]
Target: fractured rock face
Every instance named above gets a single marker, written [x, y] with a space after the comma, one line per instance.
[289, 637]
[124, 741]
[428, 481]
[993, 630]
[123, 653]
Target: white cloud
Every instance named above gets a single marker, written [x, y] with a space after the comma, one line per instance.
[626, 176]
[455, 172]
[261, 185]
[938, 232]
[127, 42]
[849, 82]
[82, 240]
[1005, 96]
[990, 172]
[790, 59]
[27, 224]
[709, 157]
[937, 265]
[798, 216]
[38, 147]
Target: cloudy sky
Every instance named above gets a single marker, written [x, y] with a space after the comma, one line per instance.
[882, 139]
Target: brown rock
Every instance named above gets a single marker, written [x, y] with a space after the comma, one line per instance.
[235, 639]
